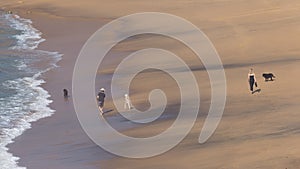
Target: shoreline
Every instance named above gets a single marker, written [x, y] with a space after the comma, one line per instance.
[54, 85]
[25, 86]
[250, 135]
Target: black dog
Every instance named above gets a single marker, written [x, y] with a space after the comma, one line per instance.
[65, 91]
[268, 76]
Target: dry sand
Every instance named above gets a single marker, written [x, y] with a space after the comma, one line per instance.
[257, 131]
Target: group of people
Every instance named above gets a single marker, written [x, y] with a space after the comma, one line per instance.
[128, 105]
[101, 98]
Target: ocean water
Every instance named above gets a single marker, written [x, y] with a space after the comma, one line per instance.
[22, 99]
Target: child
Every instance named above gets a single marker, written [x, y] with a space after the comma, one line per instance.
[127, 103]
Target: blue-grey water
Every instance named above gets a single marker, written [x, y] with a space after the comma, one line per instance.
[22, 99]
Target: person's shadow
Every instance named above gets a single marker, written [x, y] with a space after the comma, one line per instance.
[107, 111]
[256, 91]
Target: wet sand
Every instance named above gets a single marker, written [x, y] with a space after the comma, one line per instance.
[256, 131]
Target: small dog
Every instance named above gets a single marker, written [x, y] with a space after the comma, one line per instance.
[268, 76]
[65, 91]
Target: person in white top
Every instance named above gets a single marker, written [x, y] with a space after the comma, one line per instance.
[252, 80]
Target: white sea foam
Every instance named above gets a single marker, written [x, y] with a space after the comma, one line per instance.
[31, 101]
[34, 111]
[29, 37]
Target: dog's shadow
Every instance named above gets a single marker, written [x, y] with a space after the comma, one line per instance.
[269, 80]
[256, 91]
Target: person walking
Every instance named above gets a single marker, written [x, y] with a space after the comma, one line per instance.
[252, 80]
[101, 98]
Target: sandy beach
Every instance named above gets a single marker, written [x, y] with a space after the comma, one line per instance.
[257, 131]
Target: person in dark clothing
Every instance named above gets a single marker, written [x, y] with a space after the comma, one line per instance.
[252, 80]
[101, 98]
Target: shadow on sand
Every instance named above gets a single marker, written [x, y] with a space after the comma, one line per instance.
[256, 91]
[269, 80]
[107, 111]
